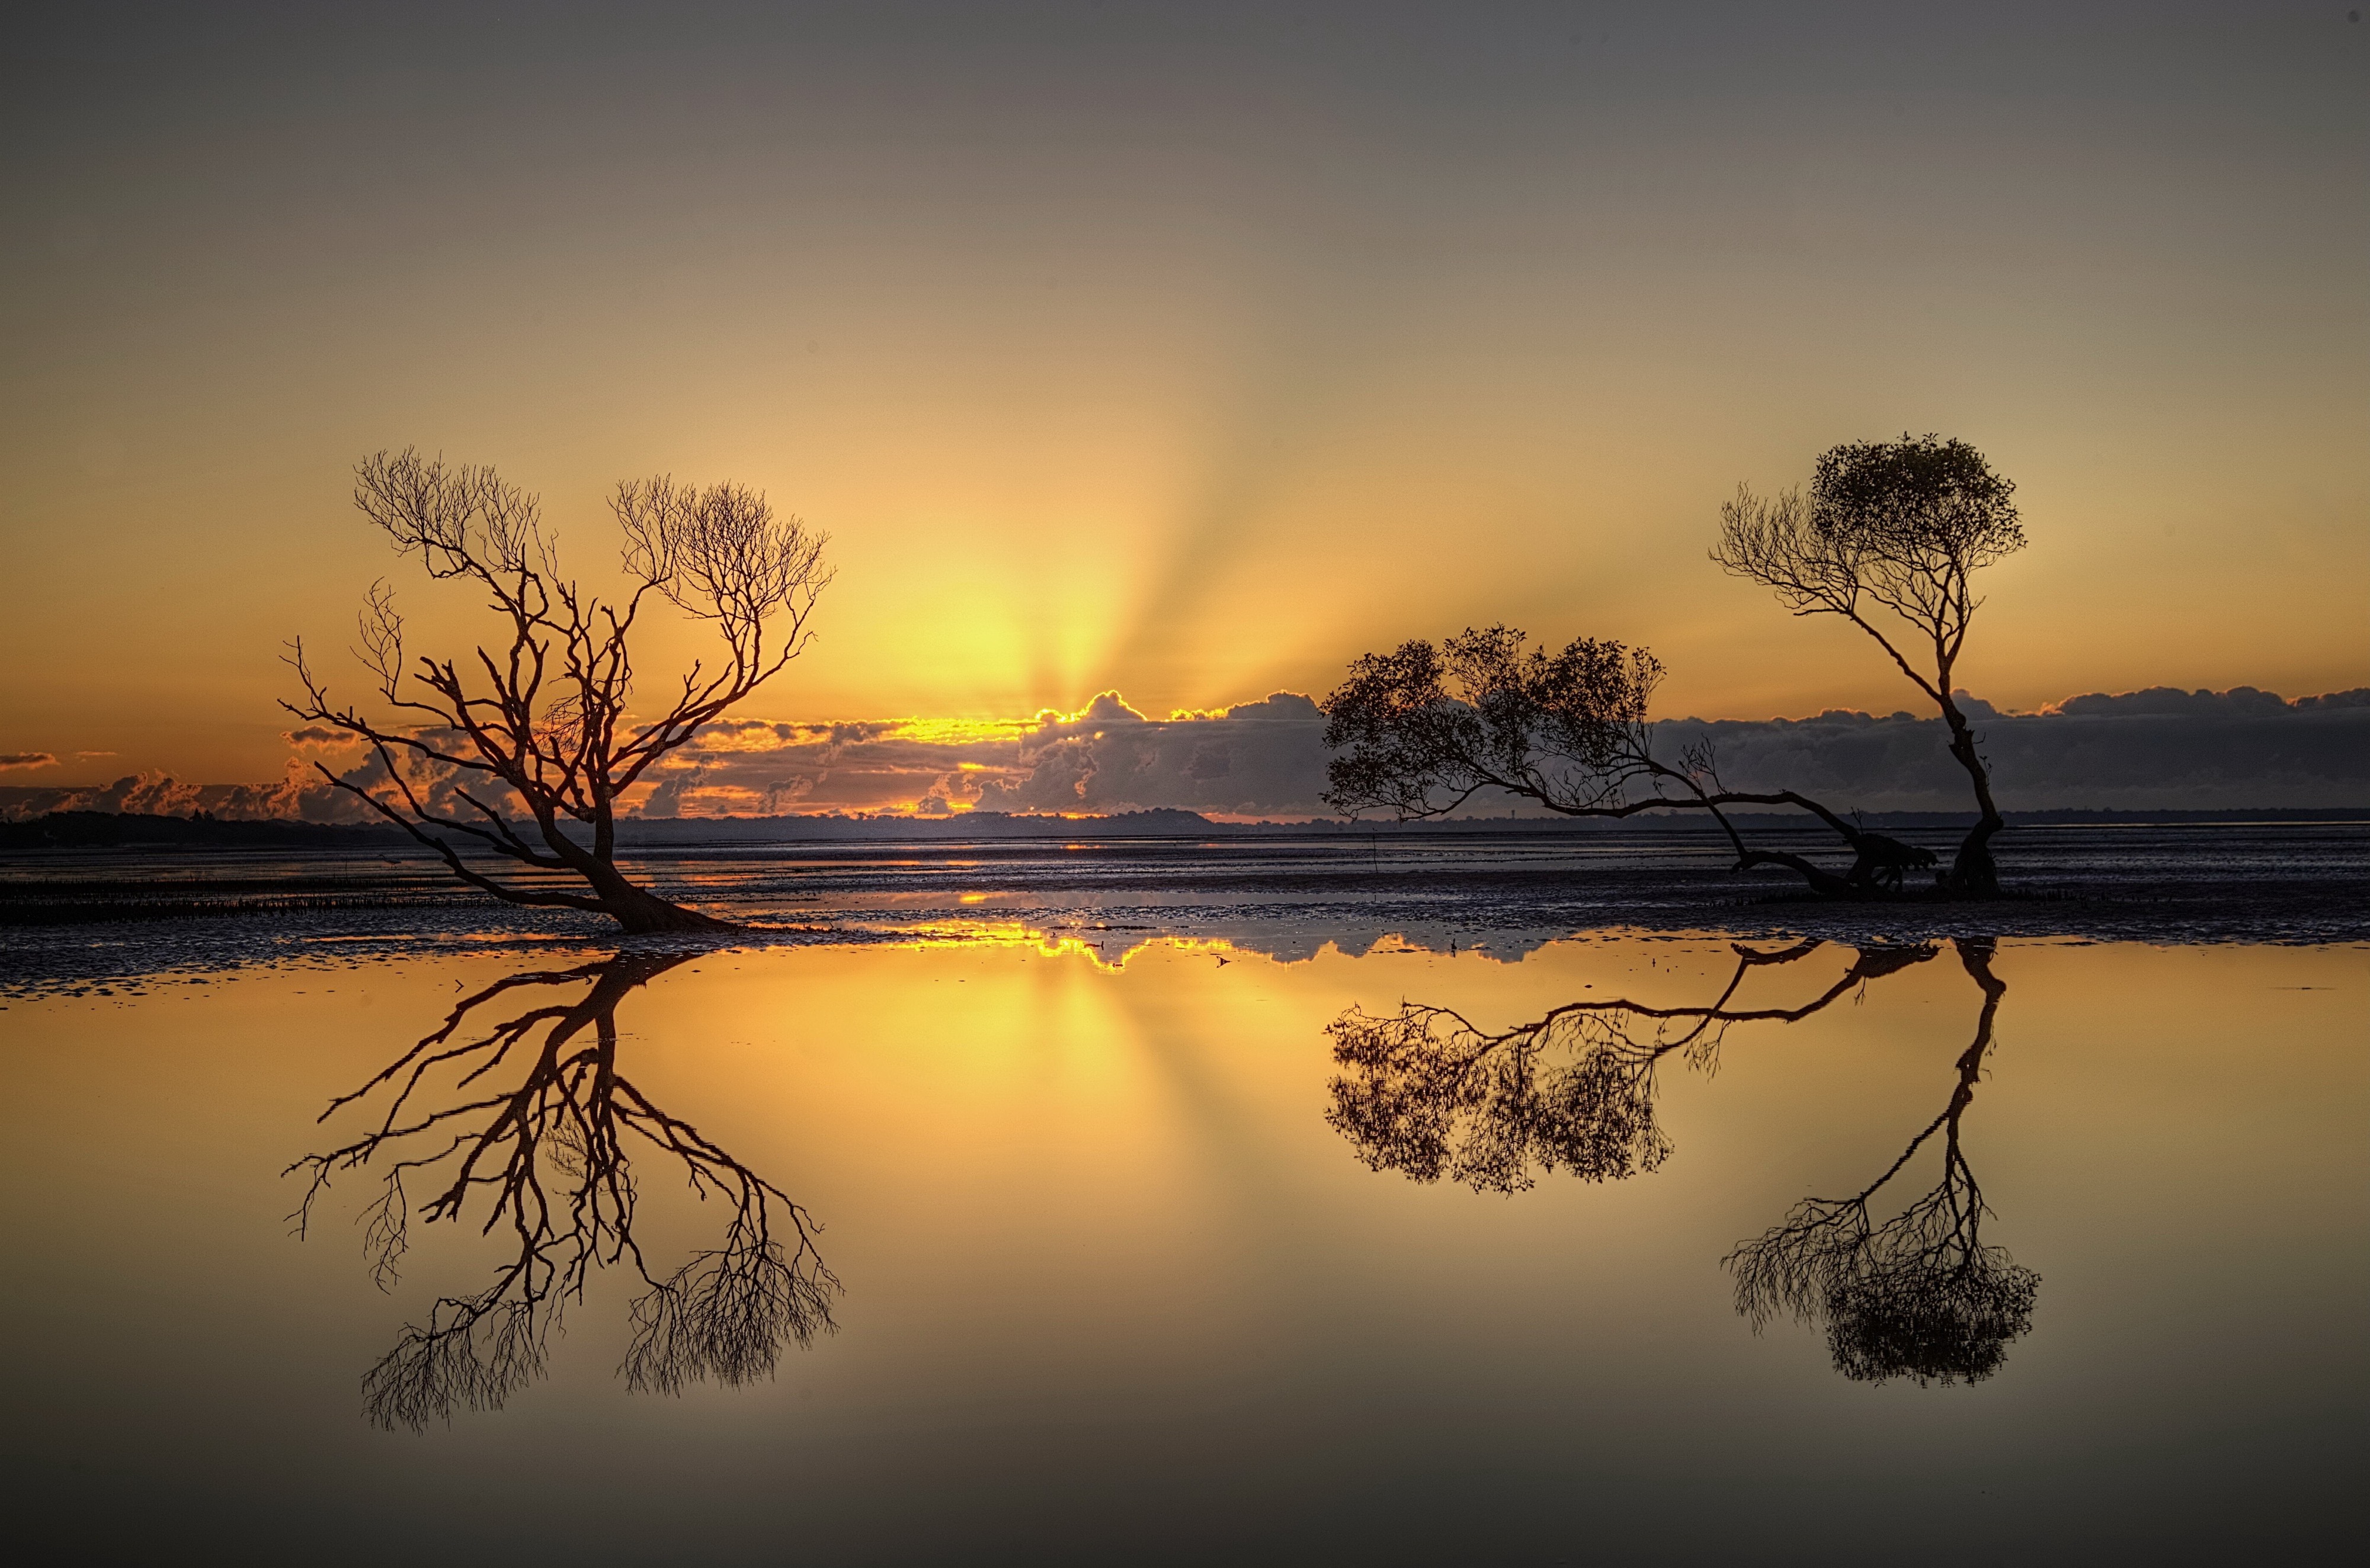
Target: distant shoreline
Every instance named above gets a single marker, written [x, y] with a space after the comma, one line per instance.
[69, 831]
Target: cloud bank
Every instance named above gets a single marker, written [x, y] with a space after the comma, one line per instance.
[1262, 759]
[2157, 750]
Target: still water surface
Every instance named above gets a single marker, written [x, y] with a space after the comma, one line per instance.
[1629, 1247]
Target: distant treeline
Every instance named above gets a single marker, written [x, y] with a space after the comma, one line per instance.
[102, 829]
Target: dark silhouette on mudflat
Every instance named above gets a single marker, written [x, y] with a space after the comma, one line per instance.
[528, 1111]
[1915, 1295]
[541, 727]
[1890, 539]
[1419, 731]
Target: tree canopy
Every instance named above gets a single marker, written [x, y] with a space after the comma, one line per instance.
[1890, 538]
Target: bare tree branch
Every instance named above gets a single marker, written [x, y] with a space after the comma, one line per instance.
[542, 712]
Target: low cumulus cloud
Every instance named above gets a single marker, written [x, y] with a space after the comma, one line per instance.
[2160, 749]
[1265, 758]
[1256, 758]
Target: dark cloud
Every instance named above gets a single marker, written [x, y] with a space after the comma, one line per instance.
[2161, 750]
[28, 760]
[1258, 759]
[2157, 750]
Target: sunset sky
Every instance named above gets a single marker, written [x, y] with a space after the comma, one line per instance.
[1183, 350]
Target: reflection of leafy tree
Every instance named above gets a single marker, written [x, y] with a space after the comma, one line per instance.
[1429, 1094]
[546, 1145]
[1918, 1296]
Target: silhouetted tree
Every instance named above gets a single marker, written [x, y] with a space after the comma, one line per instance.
[547, 1148]
[1430, 1095]
[1890, 539]
[1918, 1294]
[541, 724]
[1419, 731]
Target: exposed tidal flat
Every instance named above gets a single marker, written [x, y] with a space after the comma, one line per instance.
[74, 918]
[1404, 1201]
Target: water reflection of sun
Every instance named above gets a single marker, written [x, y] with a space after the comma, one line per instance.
[1091, 944]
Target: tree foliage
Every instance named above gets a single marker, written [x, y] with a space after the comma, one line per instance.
[1890, 538]
[1420, 731]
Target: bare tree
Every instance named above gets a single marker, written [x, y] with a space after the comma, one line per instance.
[541, 724]
[1890, 539]
[547, 1148]
[1918, 1294]
[1419, 731]
[1429, 1094]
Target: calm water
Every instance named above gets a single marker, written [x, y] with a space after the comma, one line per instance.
[1642, 1247]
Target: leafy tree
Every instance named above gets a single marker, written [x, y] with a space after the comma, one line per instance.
[1890, 539]
[1419, 731]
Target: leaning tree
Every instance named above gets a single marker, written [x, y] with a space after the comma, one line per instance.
[1890, 539]
[1420, 731]
[522, 752]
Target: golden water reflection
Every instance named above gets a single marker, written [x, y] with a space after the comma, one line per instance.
[1118, 1257]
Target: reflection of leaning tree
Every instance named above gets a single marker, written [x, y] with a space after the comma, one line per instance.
[1916, 1296]
[1429, 1094]
[536, 1119]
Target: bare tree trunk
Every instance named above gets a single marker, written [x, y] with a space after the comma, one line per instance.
[1973, 871]
[638, 912]
[1824, 883]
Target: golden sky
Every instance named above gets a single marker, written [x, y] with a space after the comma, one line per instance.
[1186, 352]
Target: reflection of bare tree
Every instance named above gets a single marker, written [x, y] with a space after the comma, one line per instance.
[1919, 1295]
[1429, 1094]
[546, 1143]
